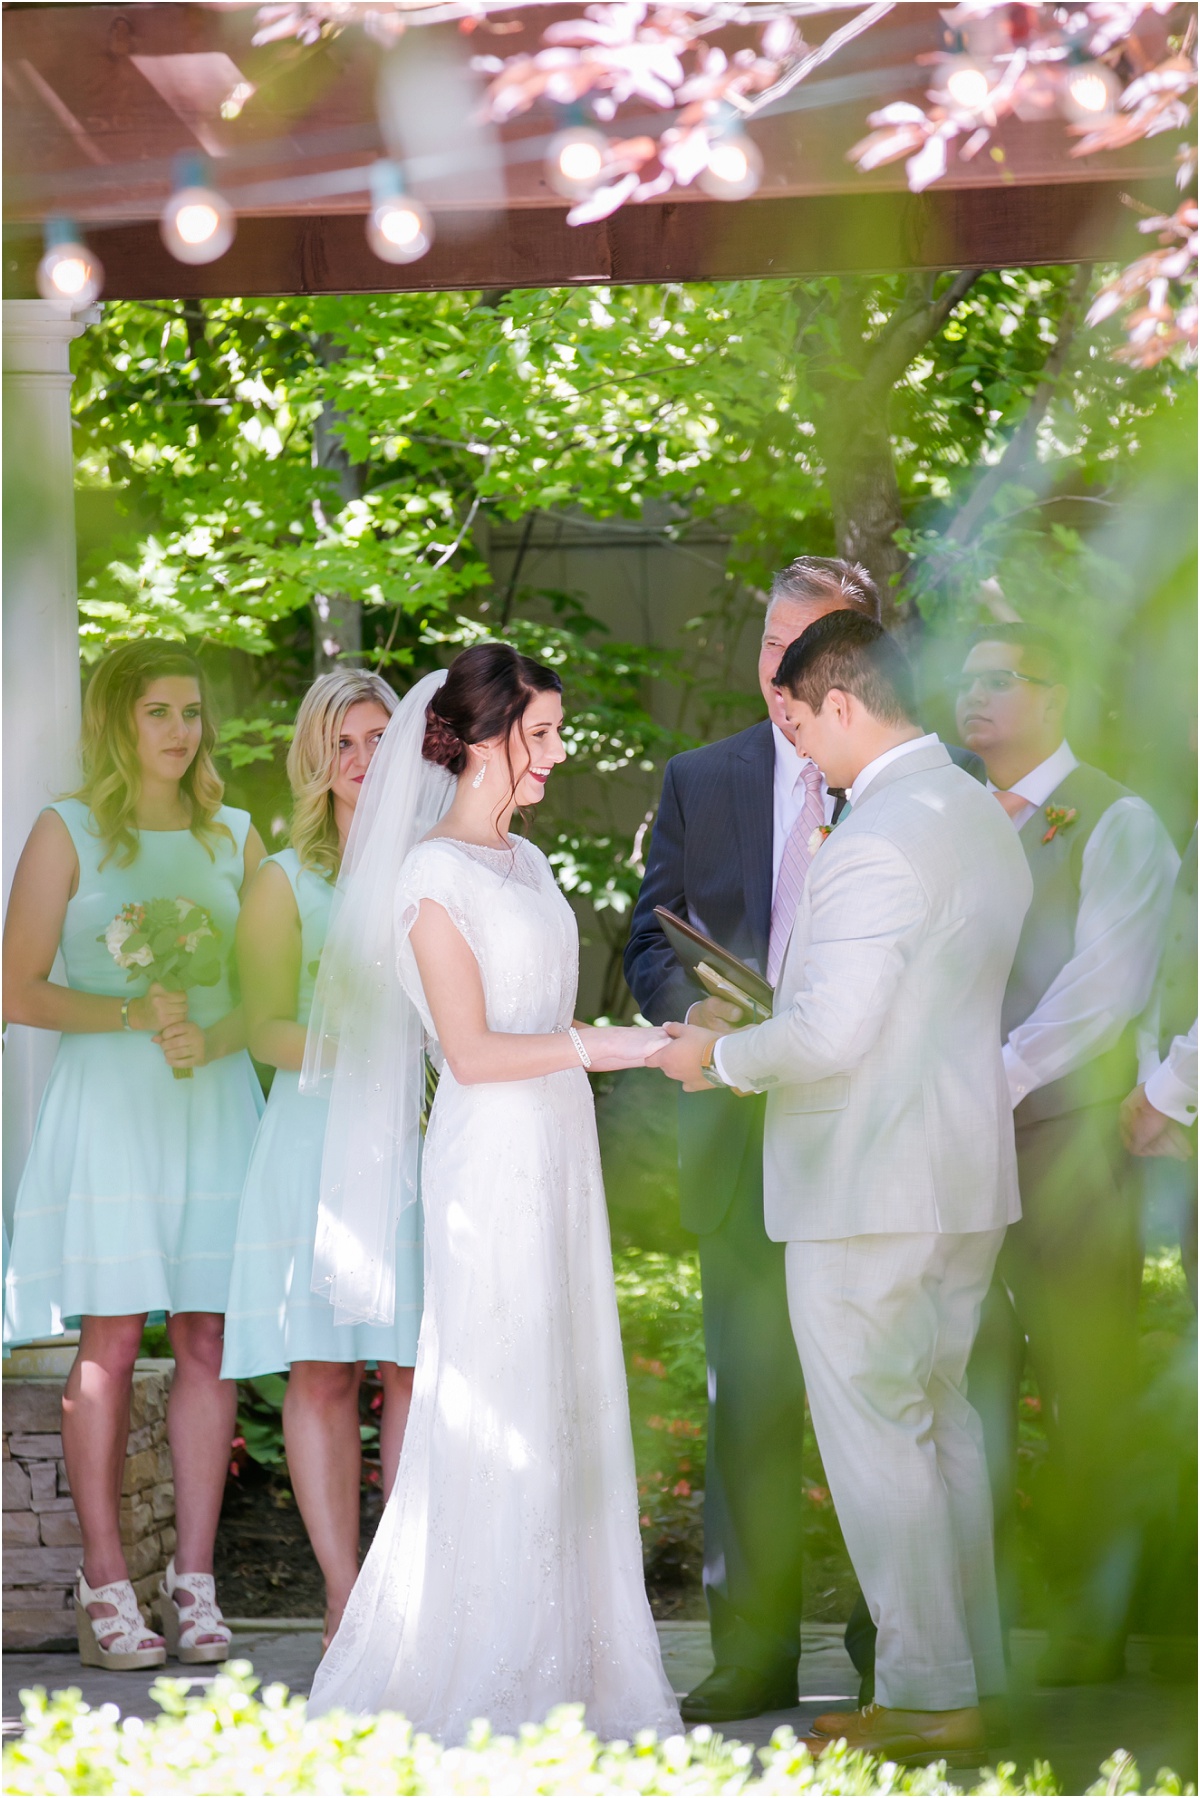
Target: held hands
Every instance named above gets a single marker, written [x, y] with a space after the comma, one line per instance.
[615, 1046]
[680, 1058]
[1146, 1131]
[184, 1045]
[157, 1008]
[182, 1042]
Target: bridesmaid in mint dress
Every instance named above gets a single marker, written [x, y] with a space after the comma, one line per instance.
[274, 1320]
[128, 1202]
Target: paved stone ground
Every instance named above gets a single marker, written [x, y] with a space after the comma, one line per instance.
[1075, 1729]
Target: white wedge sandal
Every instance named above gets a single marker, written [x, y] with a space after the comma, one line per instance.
[182, 1625]
[116, 1643]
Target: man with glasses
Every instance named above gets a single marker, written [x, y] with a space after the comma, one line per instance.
[1067, 1281]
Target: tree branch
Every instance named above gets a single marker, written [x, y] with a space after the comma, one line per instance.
[1021, 443]
[910, 330]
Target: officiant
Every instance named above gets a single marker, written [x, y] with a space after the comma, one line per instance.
[729, 852]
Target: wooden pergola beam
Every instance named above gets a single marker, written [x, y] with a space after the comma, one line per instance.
[997, 227]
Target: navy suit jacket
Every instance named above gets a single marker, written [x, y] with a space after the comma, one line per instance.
[710, 862]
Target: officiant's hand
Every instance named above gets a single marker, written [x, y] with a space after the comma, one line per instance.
[720, 1016]
[680, 1060]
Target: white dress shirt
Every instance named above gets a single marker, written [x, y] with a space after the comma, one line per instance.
[1125, 884]
[1171, 1084]
[788, 798]
[1036, 786]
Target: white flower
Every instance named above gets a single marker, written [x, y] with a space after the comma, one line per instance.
[117, 933]
[817, 838]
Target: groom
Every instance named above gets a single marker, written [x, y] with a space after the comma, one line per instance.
[890, 1169]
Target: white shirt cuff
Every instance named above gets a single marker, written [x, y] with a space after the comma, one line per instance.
[1021, 1079]
[1170, 1095]
[716, 1061]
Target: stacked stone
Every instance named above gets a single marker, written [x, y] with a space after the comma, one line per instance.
[41, 1530]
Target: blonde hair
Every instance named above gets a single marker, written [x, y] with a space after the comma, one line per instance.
[313, 759]
[112, 769]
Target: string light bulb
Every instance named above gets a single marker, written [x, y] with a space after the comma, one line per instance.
[1089, 92]
[197, 224]
[68, 272]
[575, 159]
[967, 84]
[399, 228]
[734, 167]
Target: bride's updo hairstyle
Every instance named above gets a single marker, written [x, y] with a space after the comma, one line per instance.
[485, 695]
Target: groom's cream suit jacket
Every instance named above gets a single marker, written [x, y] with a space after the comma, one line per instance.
[888, 1107]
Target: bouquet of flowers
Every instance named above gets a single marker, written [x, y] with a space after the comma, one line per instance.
[169, 941]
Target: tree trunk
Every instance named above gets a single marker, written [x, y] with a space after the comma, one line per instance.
[855, 384]
[864, 495]
[337, 617]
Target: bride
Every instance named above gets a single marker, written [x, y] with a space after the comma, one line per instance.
[506, 1574]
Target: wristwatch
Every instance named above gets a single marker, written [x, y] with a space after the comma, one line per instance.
[708, 1066]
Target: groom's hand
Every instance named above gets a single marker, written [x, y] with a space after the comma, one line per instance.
[680, 1060]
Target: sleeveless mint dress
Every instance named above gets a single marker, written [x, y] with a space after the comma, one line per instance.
[129, 1198]
[274, 1317]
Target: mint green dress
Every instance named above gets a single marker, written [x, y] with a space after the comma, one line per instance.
[128, 1201]
[274, 1317]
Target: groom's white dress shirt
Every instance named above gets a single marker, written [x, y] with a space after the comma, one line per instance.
[1128, 871]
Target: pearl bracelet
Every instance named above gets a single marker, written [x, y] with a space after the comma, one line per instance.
[570, 1030]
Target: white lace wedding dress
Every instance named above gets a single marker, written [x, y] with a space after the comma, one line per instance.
[506, 1575]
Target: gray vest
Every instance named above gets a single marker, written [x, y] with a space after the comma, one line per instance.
[1048, 943]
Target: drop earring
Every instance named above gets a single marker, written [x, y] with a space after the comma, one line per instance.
[478, 780]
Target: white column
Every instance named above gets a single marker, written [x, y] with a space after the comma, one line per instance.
[41, 640]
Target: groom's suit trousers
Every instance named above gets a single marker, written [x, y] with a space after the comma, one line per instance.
[884, 1325]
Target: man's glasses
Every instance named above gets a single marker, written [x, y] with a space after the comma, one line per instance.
[993, 681]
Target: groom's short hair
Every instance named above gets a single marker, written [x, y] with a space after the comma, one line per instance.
[855, 655]
[827, 580]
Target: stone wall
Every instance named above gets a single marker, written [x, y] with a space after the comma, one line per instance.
[41, 1530]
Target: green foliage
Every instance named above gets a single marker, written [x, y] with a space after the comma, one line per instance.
[260, 1419]
[230, 1740]
[241, 741]
[239, 459]
[713, 401]
[662, 1329]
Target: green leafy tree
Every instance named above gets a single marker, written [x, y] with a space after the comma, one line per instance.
[290, 480]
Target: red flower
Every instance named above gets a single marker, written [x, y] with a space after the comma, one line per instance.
[682, 1490]
[1059, 817]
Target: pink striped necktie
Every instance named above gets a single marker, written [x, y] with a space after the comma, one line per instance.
[797, 854]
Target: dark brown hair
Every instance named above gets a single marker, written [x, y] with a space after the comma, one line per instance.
[485, 694]
[828, 580]
[856, 655]
[112, 769]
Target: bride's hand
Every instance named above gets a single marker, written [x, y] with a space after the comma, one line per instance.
[614, 1046]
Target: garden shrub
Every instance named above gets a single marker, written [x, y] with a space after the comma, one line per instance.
[232, 1741]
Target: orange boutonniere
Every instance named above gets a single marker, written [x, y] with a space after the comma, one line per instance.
[1058, 817]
